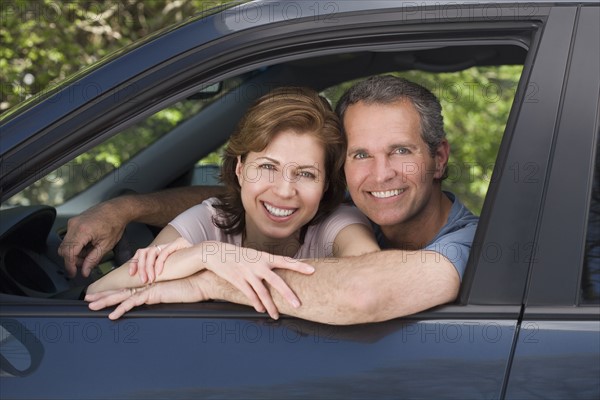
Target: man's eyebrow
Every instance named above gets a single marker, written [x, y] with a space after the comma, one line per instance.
[407, 145]
[354, 150]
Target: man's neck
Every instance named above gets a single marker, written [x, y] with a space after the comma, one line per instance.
[416, 233]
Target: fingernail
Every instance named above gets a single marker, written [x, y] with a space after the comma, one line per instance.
[295, 303]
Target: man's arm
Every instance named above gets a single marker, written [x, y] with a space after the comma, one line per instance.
[93, 233]
[369, 288]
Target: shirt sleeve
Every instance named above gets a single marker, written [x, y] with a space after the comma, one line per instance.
[456, 246]
[320, 239]
[195, 224]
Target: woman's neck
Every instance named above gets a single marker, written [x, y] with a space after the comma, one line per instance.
[287, 247]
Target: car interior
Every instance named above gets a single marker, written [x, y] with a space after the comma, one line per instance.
[175, 153]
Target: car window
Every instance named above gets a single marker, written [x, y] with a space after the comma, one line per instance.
[476, 103]
[111, 156]
[590, 282]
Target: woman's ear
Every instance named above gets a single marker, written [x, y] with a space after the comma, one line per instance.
[239, 169]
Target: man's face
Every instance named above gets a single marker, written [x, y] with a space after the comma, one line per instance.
[389, 168]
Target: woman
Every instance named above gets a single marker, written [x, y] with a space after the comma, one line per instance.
[284, 183]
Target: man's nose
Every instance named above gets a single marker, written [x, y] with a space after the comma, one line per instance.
[383, 170]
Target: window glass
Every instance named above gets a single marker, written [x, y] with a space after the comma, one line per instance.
[590, 282]
[476, 103]
[90, 167]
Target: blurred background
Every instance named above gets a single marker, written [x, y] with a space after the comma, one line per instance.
[43, 42]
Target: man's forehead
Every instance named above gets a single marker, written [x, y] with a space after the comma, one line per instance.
[362, 115]
[371, 131]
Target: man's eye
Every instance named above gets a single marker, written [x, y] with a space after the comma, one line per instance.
[360, 156]
[402, 150]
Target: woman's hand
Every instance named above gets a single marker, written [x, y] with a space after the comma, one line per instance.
[149, 262]
[247, 269]
[176, 291]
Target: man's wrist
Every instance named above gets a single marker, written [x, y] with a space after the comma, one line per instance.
[127, 207]
[202, 286]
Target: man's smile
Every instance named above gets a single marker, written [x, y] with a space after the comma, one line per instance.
[387, 193]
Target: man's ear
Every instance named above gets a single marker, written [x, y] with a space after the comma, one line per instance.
[442, 154]
[239, 169]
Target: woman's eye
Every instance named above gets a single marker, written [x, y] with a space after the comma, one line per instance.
[306, 174]
[266, 166]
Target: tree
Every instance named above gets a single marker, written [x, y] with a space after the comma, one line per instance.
[45, 41]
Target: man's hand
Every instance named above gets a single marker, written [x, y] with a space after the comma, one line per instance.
[187, 290]
[90, 235]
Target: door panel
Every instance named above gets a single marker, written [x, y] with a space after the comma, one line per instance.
[91, 357]
[563, 360]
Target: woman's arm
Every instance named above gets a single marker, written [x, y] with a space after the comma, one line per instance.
[101, 226]
[354, 240]
[121, 278]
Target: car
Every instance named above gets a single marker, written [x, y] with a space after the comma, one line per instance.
[526, 323]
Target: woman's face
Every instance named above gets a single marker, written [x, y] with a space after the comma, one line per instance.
[282, 185]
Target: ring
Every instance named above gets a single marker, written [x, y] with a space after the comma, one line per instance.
[158, 247]
[132, 290]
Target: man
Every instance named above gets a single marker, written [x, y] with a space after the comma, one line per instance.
[395, 162]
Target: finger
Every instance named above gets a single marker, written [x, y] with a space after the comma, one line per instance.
[126, 305]
[69, 251]
[164, 252]
[292, 265]
[133, 266]
[141, 262]
[282, 288]
[135, 300]
[150, 263]
[250, 294]
[110, 299]
[265, 297]
[95, 296]
[92, 259]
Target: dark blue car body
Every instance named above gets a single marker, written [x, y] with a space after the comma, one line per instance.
[520, 329]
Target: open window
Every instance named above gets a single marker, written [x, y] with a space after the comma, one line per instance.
[476, 84]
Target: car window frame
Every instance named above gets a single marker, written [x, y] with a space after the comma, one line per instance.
[556, 275]
[173, 86]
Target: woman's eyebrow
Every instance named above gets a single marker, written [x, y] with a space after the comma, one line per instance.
[309, 166]
[272, 160]
[295, 164]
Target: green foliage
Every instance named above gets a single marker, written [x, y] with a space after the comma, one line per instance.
[45, 41]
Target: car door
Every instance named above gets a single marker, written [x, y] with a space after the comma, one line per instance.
[60, 349]
[560, 331]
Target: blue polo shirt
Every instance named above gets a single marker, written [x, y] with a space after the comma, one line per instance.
[454, 240]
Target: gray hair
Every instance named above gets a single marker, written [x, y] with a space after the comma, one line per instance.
[387, 89]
